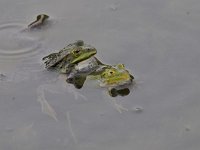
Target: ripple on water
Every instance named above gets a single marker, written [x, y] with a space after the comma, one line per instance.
[17, 43]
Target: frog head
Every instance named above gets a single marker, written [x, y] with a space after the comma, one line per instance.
[77, 54]
[81, 52]
[115, 76]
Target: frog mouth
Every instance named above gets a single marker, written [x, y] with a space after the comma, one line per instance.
[84, 57]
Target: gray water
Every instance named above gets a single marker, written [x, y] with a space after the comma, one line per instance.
[157, 40]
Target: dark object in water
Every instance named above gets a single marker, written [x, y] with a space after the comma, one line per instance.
[39, 21]
[122, 92]
[77, 81]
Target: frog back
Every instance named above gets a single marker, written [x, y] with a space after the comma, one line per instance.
[53, 59]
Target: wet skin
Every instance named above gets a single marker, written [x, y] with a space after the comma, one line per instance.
[77, 61]
[83, 69]
[66, 58]
[116, 79]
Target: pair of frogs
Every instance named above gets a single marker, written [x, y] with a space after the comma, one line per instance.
[77, 61]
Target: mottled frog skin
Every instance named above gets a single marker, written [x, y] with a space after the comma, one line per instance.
[115, 78]
[77, 61]
[66, 58]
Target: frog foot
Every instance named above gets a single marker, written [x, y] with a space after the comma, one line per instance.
[113, 92]
[77, 81]
[51, 58]
[122, 92]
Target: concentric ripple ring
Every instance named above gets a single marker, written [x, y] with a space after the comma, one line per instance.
[16, 42]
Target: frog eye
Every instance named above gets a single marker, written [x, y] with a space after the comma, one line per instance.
[111, 72]
[77, 51]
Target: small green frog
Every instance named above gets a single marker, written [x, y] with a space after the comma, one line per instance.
[40, 20]
[65, 60]
[117, 79]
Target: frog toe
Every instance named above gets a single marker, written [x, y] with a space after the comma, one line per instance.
[112, 92]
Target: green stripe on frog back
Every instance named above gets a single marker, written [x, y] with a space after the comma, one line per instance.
[83, 57]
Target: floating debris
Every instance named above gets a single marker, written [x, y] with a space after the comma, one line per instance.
[138, 109]
[39, 21]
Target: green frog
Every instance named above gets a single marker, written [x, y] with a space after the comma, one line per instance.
[65, 60]
[40, 20]
[117, 79]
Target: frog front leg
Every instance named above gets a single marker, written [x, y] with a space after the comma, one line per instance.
[115, 92]
[77, 80]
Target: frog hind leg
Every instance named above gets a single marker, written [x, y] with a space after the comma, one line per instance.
[50, 60]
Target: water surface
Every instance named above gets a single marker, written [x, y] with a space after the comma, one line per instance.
[157, 41]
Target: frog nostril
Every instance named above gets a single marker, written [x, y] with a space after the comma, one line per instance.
[70, 80]
[77, 51]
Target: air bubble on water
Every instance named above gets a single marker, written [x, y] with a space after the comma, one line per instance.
[138, 109]
[114, 7]
[16, 44]
[187, 128]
